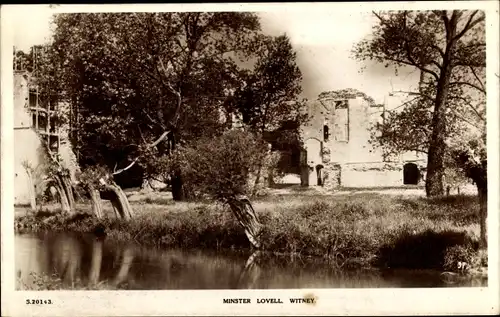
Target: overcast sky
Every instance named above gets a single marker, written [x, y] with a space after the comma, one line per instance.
[322, 38]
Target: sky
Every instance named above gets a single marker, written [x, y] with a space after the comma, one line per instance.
[323, 40]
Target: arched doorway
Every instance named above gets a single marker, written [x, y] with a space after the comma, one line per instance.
[319, 174]
[411, 174]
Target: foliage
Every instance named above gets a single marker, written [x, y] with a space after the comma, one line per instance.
[22, 61]
[124, 73]
[348, 93]
[458, 254]
[53, 282]
[129, 77]
[268, 95]
[420, 39]
[220, 167]
[448, 48]
[92, 176]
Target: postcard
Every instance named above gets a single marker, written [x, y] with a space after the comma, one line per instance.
[250, 159]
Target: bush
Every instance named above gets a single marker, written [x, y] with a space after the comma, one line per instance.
[458, 254]
[220, 167]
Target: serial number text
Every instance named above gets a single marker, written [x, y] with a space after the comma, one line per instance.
[38, 301]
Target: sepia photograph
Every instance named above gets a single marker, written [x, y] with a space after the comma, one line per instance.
[238, 149]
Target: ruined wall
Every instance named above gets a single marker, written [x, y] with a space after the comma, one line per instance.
[356, 147]
[26, 142]
[372, 175]
[22, 118]
[345, 154]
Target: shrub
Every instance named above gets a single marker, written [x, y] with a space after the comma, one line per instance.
[220, 167]
[458, 254]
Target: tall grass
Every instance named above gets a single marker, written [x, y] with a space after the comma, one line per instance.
[355, 229]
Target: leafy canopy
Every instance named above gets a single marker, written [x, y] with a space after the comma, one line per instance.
[132, 76]
[432, 42]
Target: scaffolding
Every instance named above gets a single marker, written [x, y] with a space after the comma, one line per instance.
[43, 107]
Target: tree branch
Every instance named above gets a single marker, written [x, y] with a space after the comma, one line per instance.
[422, 68]
[459, 116]
[481, 89]
[439, 49]
[446, 21]
[155, 143]
[402, 105]
[412, 61]
[467, 102]
[470, 24]
[414, 93]
[478, 79]
[174, 120]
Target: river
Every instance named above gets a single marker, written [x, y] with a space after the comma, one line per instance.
[78, 259]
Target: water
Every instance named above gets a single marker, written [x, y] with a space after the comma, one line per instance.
[83, 260]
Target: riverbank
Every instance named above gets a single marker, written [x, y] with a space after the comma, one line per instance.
[350, 230]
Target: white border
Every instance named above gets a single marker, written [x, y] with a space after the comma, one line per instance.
[332, 301]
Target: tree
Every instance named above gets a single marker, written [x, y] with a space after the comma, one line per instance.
[220, 167]
[270, 91]
[268, 99]
[461, 119]
[445, 47]
[137, 79]
[143, 80]
[470, 156]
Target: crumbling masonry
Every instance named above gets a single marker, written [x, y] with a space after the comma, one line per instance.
[337, 152]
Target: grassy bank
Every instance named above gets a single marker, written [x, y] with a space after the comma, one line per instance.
[367, 228]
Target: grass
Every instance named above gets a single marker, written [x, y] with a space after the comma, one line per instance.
[358, 229]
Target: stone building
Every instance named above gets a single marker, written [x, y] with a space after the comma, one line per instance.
[337, 152]
[27, 145]
[35, 119]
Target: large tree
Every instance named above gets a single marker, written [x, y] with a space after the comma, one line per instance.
[268, 101]
[271, 88]
[455, 127]
[448, 48]
[135, 79]
[141, 84]
[138, 79]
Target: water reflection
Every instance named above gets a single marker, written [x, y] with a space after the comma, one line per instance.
[250, 273]
[84, 261]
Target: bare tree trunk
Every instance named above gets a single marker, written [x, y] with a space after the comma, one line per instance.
[32, 190]
[244, 212]
[120, 201]
[482, 191]
[177, 188]
[437, 147]
[96, 202]
[435, 165]
[257, 181]
[68, 189]
[65, 207]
